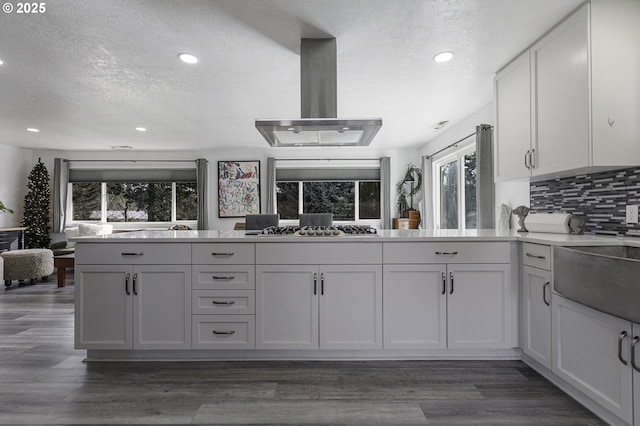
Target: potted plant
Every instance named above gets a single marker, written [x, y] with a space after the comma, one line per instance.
[409, 186]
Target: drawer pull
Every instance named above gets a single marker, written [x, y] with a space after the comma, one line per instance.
[535, 256]
[227, 254]
[230, 302]
[447, 252]
[227, 333]
[223, 277]
[621, 338]
[130, 254]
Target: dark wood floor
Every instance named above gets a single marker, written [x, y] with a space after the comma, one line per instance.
[44, 381]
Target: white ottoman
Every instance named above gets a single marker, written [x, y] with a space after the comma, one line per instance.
[26, 264]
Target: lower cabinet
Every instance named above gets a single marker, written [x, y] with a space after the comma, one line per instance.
[592, 352]
[311, 307]
[536, 339]
[455, 306]
[117, 307]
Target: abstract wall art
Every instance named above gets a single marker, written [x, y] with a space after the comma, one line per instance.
[238, 188]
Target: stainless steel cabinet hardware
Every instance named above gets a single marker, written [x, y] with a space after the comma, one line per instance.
[227, 254]
[315, 284]
[447, 252]
[451, 278]
[130, 254]
[223, 277]
[135, 278]
[228, 332]
[444, 283]
[126, 284]
[322, 284]
[621, 338]
[544, 293]
[634, 342]
[230, 302]
[536, 256]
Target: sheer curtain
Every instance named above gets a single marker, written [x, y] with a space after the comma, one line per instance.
[485, 190]
[60, 189]
[385, 192]
[202, 181]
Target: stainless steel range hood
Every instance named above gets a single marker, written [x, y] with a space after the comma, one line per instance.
[318, 125]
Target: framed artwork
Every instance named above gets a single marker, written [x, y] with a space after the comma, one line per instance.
[238, 188]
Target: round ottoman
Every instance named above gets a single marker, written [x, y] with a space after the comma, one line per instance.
[27, 264]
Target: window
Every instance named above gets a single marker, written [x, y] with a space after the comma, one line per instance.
[455, 189]
[350, 189]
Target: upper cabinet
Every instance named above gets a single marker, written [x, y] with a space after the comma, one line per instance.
[581, 93]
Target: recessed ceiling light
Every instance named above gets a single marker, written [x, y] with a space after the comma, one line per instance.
[1, 62]
[444, 56]
[141, 129]
[32, 129]
[187, 58]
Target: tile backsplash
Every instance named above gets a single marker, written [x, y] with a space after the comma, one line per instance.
[600, 197]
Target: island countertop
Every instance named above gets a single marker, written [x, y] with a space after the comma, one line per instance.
[387, 235]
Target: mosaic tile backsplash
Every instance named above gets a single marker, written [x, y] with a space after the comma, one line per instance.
[600, 197]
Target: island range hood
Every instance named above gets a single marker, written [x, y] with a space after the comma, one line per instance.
[318, 125]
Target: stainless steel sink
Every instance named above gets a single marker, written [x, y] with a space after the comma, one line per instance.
[606, 278]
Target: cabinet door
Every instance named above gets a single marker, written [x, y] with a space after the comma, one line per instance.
[287, 306]
[590, 350]
[103, 310]
[537, 314]
[513, 119]
[415, 306]
[162, 307]
[636, 374]
[561, 81]
[479, 313]
[351, 307]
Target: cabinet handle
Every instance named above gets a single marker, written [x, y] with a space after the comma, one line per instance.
[227, 254]
[447, 252]
[526, 159]
[230, 302]
[126, 284]
[223, 277]
[322, 284]
[535, 256]
[544, 293]
[634, 342]
[131, 254]
[315, 284]
[228, 332]
[451, 278]
[135, 278]
[531, 157]
[621, 338]
[444, 283]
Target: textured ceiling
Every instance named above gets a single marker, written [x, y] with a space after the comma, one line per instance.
[86, 73]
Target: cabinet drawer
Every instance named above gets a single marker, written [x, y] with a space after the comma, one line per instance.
[228, 302]
[447, 252]
[309, 253]
[536, 255]
[206, 277]
[223, 254]
[223, 332]
[132, 254]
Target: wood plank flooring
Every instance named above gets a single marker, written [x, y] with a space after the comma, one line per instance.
[44, 381]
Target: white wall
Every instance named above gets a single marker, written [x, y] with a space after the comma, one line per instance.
[513, 193]
[399, 161]
[15, 165]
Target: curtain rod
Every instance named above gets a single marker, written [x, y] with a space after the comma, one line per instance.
[132, 161]
[326, 159]
[452, 145]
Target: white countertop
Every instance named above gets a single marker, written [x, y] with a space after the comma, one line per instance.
[386, 235]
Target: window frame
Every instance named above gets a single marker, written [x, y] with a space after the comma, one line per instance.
[458, 155]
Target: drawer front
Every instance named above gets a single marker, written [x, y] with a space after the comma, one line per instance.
[536, 255]
[309, 253]
[227, 302]
[241, 277]
[132, 254]
[223, 332]
[447, 252]
[224, 254]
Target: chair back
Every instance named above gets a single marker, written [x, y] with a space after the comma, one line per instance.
[316, 219]
[260, 221]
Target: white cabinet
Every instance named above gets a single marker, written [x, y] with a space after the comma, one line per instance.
[311, 307]
[635, 365]
[583, 102]
[591, 352]
[133, 307]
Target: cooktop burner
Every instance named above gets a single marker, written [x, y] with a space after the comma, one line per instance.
[320, 231]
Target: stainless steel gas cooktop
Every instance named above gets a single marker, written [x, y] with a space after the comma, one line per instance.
[321, 231]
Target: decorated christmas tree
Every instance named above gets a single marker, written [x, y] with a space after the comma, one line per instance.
[36, 208]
